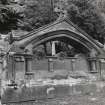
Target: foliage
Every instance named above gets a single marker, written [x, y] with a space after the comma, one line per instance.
[100, 4]
[38, 13]
[8, 19]
[4, 2]
[88, 18]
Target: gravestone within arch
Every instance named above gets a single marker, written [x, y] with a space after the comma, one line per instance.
[63, 30]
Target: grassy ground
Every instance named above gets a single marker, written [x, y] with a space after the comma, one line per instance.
[70, 100]
[87, 98]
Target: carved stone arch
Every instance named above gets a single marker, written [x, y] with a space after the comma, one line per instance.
[81, 40]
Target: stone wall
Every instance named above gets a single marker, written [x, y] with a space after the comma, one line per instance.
[46, 69]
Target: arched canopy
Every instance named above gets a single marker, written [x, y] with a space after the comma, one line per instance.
[63, 30]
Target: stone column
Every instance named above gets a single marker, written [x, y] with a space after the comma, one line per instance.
[93, 61]
[53, 48]
[93, 65]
